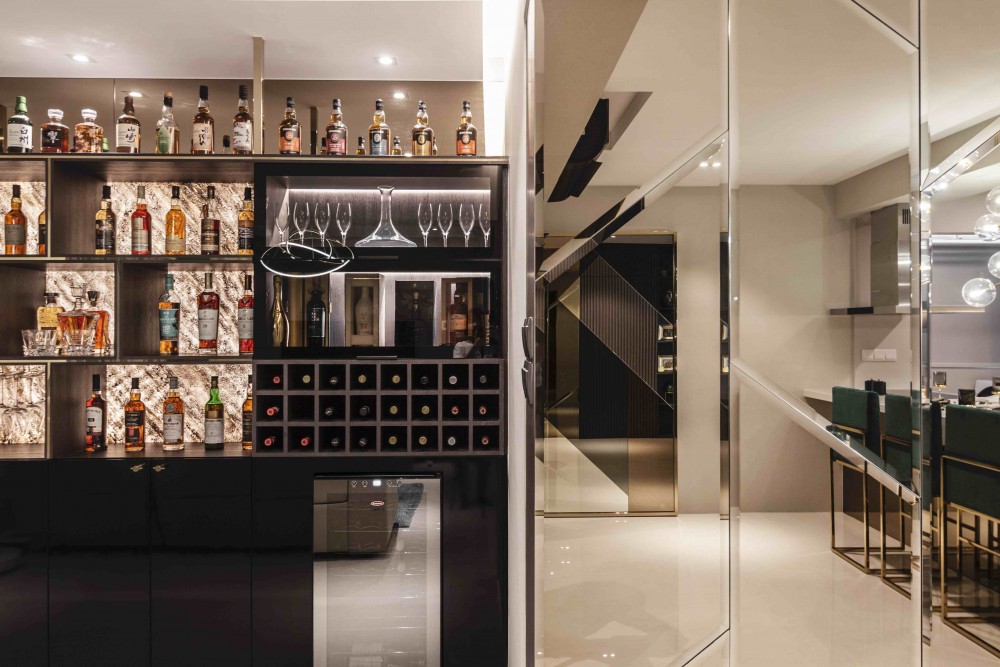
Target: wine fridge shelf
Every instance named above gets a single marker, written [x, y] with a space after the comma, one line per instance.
[316, 407]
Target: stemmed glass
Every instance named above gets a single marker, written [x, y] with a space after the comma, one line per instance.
[466, 220]
[344, 220]
[281, 224]
[484, 223]
[444, 221]
[425, 218]
[301, 217]
[322, 221]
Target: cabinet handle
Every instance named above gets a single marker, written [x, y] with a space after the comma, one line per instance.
[138, 468]
[526, 383]
[528, 338]
[159, 467]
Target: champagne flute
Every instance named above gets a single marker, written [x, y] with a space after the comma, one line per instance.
[484, 223]
[444, 221]
[343, 220]
[301, 217]
[466, 220]
[322, 221]
[281, 224]
[425, 218]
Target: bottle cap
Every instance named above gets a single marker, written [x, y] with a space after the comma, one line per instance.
[211, 192]
[175, 192]
[378, 104]
[244, 92]
[250, 378]
[215, 379]
[129, 102]
[140, 192]
[16, 191]
[168, 99]
[88, 114]
[92, 295]
[248, 281]
[106, 192]
[203, 93]
[247, 194]
[173, 381]
[336, 103]
[55, 114]
[290, 101]
[135, 383]
[95, 380]
[169, 279]
[226, 141]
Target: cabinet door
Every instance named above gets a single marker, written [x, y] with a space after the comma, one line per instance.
[23, 563]
[200, 562]
[99, 562]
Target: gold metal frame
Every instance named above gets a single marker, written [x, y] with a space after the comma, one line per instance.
[865, 549]
[892, 576]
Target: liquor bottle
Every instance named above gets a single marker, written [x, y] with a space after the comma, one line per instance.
[316, 319]
[425, 411]
[244, 222]
[244, 317]
[362, 442]
[336, 132]
[203, 126]
[104, 145]
[102, 339]
[334, 381]
[43, 233]
[19, 132]
[329, 412]
[393, 441]
[210, 228]
[483, 410]
[335, 442]
[452, 380]
[128, 134]
[208, 318]
[422, 441]
[455, 410]
[15, 225]
[422, 134]
[140, 223]
[243, 124]
[272, 441]
[47, 315]
[227, 144]
[484, 440]
[279, 317]
[465, 137]
[424, 380]
[364, 411]
[175, 224]
[97, 418]
[135, 420]
[168, 135]
[305, 442]
[170, 317]
[434, 147]
[273, 411]
[173, 418]
[55, 135]
[397, 149]
[360, 150]
[363, 313]
[215, 417]
[248, 415]
[458, 318]
[104, 225]
[290, 131]
[452, 441]
[88, 136]
[379, 136]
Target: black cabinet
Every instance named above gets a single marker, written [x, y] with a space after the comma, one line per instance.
[99, 611]
[23, 563]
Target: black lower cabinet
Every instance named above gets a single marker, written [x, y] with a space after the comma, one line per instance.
[99, 605]
[23, 563]
[200, 562]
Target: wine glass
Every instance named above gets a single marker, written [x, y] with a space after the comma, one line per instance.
[322, 221]
[281, 224]
[344, 220]
[301, 217]
[466, 220]
[425, 218]
[444, 221]
[484, 223]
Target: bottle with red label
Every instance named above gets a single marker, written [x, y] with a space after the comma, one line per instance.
[336, 132]
[467, 134]
[290, 131]
[244, 317]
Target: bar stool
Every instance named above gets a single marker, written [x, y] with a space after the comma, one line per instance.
[855, 412]
[970, 485]
[932, 441]
[898, 453]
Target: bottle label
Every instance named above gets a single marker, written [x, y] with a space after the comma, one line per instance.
[422, 142]
[140, 235]
[244, 323]
[379, 142]
[105, 240]
[43, 231]
[316, 323]
[289, 141]
[208, 324]
[173, 425]
[168, 323]
[243, 136]
[134, 423]
[458, 323]
[14, 234]
[203, 138]
[95, 420]
[247, 427]
[244, 237]
[336, 142]
[128, 136]
[175, 244]
[165, 140]
[19, 135]
[214, 430]
[53, 137]
[210, 235]
[466, 144]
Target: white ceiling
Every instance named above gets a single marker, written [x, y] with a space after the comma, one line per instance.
[313, 39]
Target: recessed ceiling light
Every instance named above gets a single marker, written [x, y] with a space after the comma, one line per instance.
[386, 60]
[80, 57]
[399, 95]
[703, 164]
[134, 93]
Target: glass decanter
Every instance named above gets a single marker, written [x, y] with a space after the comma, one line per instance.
[77, 326]
[385, 235]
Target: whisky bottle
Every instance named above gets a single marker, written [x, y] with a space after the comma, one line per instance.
[97, 418]
[19, 129]
[244, 223]
[434, 147]
[175, 224]
[128, 135]
[379, 136]
[88, 136]
[336, 132]
[102, 337]
[360, 150]
[422, 135]
[458, 319]
[244, 317]
[279, 317]
[316, 319]
[170, 317]
[43, 233]
[173, 418]
[215, 417]
[15, 225]
[248, 415]
[210, 228]
[47, 315]
[397, 149]
[104, 225]
[208, 319]
[203, 126]
[55, 135]
[140, 223]
[290, 131]
[243, 125]
[465, 137]
[227, 144]
[168, 136]
[135, 420]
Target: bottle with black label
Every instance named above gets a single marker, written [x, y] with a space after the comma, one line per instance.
[336, 132]
[290, 131]
[244, 221]
[466, 136]
[248, 415]
[210, 227]
[379, 136]
[135, 420]
[422, 134]
[316, 320]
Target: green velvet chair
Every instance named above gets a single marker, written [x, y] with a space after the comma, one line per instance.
[970, 488]
[855, 412]
[899, 453]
